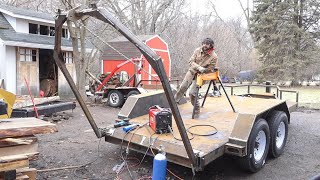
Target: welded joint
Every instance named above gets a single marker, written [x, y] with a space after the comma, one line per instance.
[107, 131]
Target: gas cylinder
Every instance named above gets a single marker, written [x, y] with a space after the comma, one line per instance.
[159, 167]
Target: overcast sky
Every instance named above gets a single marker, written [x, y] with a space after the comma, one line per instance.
[226, 8]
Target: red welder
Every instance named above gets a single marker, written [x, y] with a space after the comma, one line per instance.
[160, 119]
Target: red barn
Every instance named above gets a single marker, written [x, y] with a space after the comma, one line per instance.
[111, 58]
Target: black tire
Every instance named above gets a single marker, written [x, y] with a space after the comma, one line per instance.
[132, 93]
[278, 122]
[254, 161]
[115, 98]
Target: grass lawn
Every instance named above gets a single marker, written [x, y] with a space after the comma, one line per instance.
[309, 97]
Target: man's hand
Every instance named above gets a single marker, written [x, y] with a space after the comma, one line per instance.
[203, 70]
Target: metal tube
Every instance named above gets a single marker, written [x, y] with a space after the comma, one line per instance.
[297, 97]
[280, 94]
[226, 95]
[205, 97]
[57, 55]
[249, 89]
[156, 62]
[231, 89]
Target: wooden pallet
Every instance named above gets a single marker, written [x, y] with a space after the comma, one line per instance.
[18, 146]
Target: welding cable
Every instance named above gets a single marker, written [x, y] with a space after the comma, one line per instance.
[170, 128]
[125, 158]
[75, 170]
[215, 130]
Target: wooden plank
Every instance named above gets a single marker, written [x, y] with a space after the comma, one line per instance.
[8, 163]
[27, 149]
[22, 177]
[31, 172]
[25, 101]
[17, 127]
[6, 142]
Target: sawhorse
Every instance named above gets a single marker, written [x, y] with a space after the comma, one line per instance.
[208, 77]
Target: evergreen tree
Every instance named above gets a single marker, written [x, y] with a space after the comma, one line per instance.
[286, 34]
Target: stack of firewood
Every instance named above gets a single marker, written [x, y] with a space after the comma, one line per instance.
[18, 146]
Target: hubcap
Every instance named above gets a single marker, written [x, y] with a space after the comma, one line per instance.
[114, 98]
[260, 145]
[281, 131]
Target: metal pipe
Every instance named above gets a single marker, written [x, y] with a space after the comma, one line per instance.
[57, 56]
[249, 89]
[156, 62]
[226, 94]
[205, 97]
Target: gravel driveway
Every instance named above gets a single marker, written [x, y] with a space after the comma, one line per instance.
[76, 144]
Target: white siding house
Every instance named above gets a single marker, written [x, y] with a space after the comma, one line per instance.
[26, 51]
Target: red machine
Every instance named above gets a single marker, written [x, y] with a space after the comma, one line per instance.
[118, 94]
[160, 119]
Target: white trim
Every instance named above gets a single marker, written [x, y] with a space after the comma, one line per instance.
[160, 50]
[160, 39]
[27, 17]
[41, 46]
[102, 66]
[150, 78]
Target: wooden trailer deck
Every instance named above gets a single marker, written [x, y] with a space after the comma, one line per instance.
[216, 112]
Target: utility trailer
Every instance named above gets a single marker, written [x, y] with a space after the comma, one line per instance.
[116, 94]
[256, 128]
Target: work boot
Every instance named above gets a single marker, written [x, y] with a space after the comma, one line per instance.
[215, 94]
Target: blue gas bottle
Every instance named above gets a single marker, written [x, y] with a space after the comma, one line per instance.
[159, 167]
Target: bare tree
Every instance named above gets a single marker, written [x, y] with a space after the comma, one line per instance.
[145, 16]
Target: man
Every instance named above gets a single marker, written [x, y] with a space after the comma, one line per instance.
[203, 60]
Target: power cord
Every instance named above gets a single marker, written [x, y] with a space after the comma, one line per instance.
[215, 130]
[171, 131]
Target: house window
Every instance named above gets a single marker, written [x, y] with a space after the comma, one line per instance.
[65, 33]
[28, 55]
[68, 57]
[44, 30]
[51, 33]
[33, 28]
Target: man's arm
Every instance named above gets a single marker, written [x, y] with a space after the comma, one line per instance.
[194, 67]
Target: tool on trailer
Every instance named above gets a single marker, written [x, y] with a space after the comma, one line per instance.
[212, 77]
[130, 127]
[124, 122]
[160, 119]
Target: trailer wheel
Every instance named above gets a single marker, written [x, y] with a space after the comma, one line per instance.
[258, 145]
[115, 98]
[278, 123]
[132, 93]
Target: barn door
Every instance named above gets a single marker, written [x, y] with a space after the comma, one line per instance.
[27, 68]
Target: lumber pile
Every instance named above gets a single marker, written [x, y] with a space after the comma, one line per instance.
[25, 101]
[18, 146]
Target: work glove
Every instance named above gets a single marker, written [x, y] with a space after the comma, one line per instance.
[202, 69]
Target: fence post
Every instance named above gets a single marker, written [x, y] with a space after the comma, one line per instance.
[268, 88]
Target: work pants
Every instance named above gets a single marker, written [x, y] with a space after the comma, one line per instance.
[189, 79]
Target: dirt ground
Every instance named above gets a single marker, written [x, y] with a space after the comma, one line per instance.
[76, 144]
